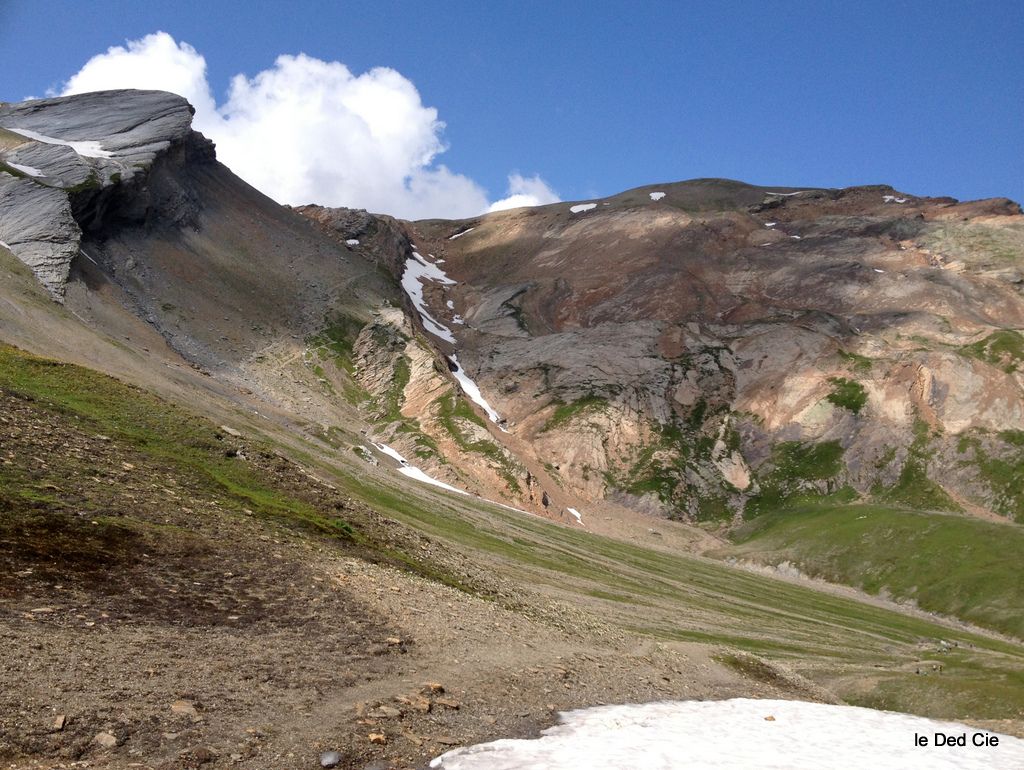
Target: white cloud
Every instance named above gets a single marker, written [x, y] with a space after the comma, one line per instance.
[156, 62]
[310, 131]
[523, 191]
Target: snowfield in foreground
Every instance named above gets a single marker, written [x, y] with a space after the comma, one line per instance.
[741, 733]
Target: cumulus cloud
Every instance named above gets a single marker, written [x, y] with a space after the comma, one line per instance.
[523, 191]
[306, 130]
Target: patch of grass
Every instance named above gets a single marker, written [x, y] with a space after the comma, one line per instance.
[1003, 348]
[337, 339]
[335, 343]
[1004, 473]
[958, 690]
[848, 394]
[670, 466]
[860, 364]
[958, 566]
[517, 313]
[798, 472]
[451, 409]
[160, 430]
[751, 667]
[914, 488]
[567, 412]
[390, 403]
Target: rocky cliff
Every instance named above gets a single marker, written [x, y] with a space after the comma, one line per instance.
[704, 350]
[64, 160]
[710, 349]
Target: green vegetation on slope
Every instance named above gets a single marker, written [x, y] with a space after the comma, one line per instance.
[1003, 348]
[799, 472]
[914, 488]
[335, 343]
[861, 364]
[389, 405]
[671, 465]
[1003, 473]
[680, 597]
[954, 565]
[188, 450]
[567, 412]
[848, 394]
[453, 409]
[157, 428]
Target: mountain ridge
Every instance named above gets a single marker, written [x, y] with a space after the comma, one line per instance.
[667, 419]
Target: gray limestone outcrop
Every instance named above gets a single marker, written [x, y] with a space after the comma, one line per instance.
[59, 157]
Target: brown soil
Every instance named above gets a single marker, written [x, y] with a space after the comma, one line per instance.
[137, 603]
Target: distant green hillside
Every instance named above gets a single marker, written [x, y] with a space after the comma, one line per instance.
[954, 565]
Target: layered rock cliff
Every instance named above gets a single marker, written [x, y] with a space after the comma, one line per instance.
[703, 350]
[64, 160]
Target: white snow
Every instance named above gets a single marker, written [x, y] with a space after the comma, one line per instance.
[459, 235]
[738, 733]
[450, 305]
[877, 270]
[579, 207]
[413, 472]
[575, 513]
[770, 224]
[392, 453]
[786, 195]
[795, 237]
[5, 245]
[25, 169]
[457, 319]
[657, 196]
[471, 389]
[86, 149]
[352, 242]
[418, 269]
[893, 199]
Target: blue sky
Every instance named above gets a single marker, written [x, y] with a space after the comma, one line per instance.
[599, 97]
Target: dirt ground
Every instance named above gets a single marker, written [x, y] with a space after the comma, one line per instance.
[144, 622]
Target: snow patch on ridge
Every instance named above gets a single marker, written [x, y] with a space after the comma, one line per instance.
[30, 170]
[657, 196]
[580, 207]
[352, 242]
[472, 390]
[575, 513]
[87, 149]
[738, 733]
[459, 235]
[416, 270]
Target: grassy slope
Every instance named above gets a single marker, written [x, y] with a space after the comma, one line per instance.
[954, 565]
[189, 447]
[830, 639]
[665, 596]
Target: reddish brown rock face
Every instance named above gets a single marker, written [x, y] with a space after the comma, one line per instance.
[656, 351]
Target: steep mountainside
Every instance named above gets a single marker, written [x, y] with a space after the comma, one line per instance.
[296, 516]
[709, 348]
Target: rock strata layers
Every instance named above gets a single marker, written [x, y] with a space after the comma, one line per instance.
[58, 155]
